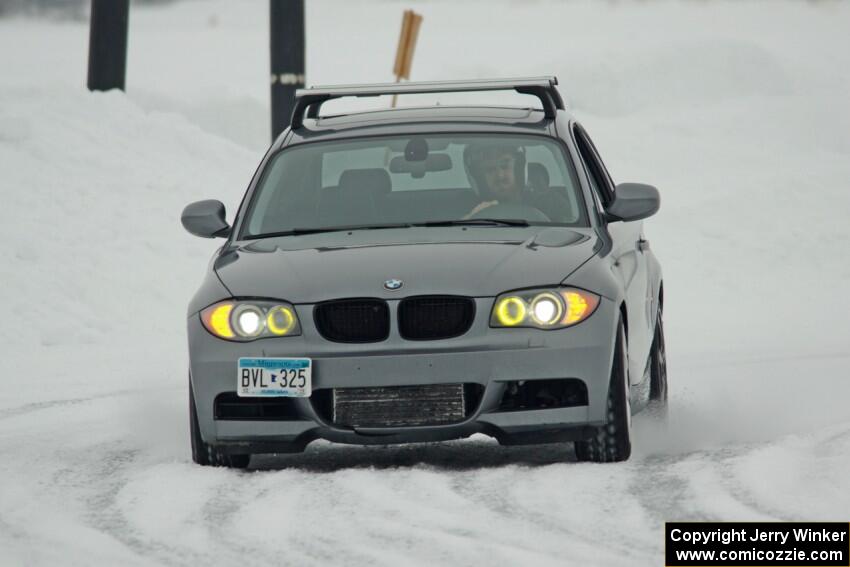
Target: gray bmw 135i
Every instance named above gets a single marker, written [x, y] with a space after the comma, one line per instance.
[425, 274]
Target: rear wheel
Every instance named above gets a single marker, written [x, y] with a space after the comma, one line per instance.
[612, 442]
[658, 365]
[204, 453]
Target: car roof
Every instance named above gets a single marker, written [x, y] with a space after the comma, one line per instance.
[425, 119]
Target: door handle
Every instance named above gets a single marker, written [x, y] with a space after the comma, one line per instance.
[643, 245]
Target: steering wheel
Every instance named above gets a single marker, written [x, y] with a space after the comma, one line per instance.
[511, 211]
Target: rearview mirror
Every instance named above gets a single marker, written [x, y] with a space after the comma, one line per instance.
[634, 201]
[418, 169]
[205, 219]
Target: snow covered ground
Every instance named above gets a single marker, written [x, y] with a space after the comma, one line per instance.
[737, 111]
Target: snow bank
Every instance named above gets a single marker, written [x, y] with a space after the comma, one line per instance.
[93, 190]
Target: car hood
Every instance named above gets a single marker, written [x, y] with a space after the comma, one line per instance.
[478, 262]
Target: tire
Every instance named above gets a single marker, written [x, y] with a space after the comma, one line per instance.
[658, 365]
[205, 454]
[612, 442]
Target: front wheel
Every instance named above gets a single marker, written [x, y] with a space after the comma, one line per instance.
[612, 442]
[204, 453]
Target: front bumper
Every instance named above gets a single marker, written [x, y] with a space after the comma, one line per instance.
[486, 356]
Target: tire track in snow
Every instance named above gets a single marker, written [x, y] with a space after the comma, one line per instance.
[713, 492]
[808, 468]
[41, 406]
[424, 478]
[379, 505]
[660, 491]
[110, 476]
[119, 470]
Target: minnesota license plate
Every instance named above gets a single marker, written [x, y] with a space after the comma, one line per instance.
[284, 377]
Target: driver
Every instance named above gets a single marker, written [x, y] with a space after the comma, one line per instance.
[498, 171]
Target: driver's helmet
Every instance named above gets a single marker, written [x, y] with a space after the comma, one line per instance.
[477, 154]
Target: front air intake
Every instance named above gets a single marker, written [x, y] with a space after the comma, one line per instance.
[229, 406]
[398, 406]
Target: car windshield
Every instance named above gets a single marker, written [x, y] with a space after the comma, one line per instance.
[430, 180]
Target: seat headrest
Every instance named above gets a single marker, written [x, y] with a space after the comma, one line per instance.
[375, 181]
[538, 176]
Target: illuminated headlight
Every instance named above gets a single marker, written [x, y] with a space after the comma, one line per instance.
[249, 320]
[543, 308]
[546, 309]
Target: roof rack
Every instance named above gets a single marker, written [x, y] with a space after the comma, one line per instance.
[308, 101]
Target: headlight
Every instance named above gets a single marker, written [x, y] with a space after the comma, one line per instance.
[249, 320]
[543, 308]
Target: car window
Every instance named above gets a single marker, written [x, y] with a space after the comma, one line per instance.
[334, 163]
[413, 179]
[599, 179]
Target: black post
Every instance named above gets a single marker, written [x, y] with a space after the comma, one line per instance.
[108, 44]
[287, 59]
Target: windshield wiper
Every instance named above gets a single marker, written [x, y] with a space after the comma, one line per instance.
[476, 222]
[456, 222]
[300, 231]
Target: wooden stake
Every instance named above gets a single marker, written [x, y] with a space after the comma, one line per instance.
[410, 24]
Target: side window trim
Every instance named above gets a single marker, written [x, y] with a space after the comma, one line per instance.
[592, 167]
[599, 162]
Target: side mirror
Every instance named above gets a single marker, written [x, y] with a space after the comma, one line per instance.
[205, 219]
[634, 201]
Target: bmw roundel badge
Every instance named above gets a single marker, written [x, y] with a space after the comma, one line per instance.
[393, 284]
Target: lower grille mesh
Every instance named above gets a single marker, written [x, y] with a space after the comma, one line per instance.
[400, 406]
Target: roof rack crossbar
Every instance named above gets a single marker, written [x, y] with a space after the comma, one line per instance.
[308, 101]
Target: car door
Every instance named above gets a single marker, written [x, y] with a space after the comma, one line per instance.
[629, 255]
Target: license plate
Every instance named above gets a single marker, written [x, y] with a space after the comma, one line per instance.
[283, 377]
